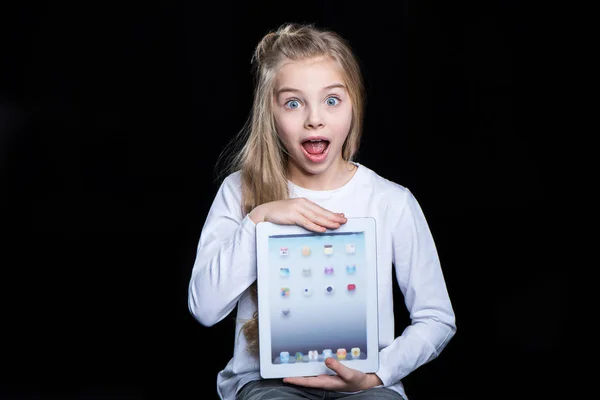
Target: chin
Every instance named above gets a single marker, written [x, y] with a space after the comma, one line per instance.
[315, 168]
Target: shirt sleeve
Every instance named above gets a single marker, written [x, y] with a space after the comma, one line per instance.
[422, 283]
[225, 264]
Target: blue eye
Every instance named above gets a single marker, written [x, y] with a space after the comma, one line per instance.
[293, 104]
[332, 101]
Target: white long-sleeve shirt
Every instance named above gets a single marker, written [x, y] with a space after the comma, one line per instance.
[225, 267]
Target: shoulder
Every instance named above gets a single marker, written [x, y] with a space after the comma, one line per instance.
[388, 189]
[395, 202]
[230, 187]
[232, 181]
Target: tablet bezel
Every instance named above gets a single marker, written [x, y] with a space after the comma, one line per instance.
[268, 370]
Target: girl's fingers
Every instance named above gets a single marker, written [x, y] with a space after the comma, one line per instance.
[314, 217]
[319, 211]
[321, 219]
[310, 225]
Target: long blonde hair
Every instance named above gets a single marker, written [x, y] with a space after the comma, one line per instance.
[257, 150]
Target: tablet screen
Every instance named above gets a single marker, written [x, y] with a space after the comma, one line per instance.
[318, 304]
[317, 298]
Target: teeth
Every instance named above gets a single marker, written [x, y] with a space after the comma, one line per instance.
[315, 141]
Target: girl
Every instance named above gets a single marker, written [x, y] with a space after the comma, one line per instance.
[295, 166]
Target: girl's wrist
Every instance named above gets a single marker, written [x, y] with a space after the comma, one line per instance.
[257, 214]
[374, 380]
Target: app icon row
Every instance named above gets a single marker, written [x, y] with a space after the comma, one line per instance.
[313, 355]
[327, 250]
[329, 289]
[285, 272]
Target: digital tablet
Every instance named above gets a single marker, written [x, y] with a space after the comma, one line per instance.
[317, 298]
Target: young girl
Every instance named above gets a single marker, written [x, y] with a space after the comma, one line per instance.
[295, 166]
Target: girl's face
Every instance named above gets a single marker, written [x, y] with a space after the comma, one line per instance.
[313, 114]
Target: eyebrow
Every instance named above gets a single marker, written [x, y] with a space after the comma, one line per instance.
[288, 89]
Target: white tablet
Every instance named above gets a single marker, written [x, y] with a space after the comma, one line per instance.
[317, 298]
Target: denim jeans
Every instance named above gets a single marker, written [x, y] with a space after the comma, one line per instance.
[274, 389]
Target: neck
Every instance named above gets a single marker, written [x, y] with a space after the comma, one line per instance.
[336, 176]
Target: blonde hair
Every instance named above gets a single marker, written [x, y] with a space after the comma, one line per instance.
[257, 151]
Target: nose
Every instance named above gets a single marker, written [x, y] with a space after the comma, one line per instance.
[314, 119]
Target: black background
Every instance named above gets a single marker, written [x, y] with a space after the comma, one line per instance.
[113, 115]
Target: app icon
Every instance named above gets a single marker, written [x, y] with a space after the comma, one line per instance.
[329, 289]
[341, 354]
[350, 249]
[313, 355]
[327, 353]
[285, 312]
[351, 287]
[299, 356]
[285, 272]
[355, 351]
[306, 271]
[328, 249]
[283, 251]
[284, 356]
[350, 269]
[306, 251]
[285, 292]
[328, 270]
[306, 291]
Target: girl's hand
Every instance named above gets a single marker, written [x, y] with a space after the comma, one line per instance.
[299, 211]
[346, 380]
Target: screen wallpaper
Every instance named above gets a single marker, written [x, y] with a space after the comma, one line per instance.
[317, 297]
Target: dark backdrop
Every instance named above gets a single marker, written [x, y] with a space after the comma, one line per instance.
[112, 117]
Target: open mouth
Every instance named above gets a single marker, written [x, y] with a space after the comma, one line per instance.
[315, 147]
